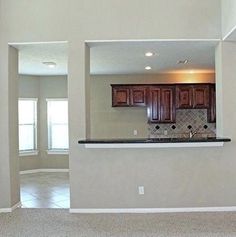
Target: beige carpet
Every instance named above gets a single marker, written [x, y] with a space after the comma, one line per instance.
[58, 223]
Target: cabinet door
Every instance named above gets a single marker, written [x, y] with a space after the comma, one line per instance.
[120, 96]
[168, 105]
[212, 109]
[200, 96]
[184, 97]
[138, 96]
[154, 105]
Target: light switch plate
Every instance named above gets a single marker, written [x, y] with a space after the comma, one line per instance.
[141, 190]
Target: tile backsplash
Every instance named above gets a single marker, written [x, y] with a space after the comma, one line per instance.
[196, 118]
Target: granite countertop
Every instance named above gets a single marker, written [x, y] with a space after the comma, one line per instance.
[153, 140]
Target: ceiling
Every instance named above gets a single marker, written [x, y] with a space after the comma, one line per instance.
[129, 57]
[123, 57]
[32, 56]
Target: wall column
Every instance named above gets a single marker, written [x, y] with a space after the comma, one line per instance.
[9, 160]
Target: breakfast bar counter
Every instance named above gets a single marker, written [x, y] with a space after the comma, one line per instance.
[154, 142]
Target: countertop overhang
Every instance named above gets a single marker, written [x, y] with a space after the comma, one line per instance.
[154, 142]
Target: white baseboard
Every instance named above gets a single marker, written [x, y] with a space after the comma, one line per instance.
[154, 210]
[29, 171]
[54, 170]
[43, 170]
[10, 209]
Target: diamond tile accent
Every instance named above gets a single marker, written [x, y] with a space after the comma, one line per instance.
[197, 118]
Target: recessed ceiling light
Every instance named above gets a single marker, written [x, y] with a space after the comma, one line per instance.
[50, 64]
[148, 68]
[149, 54]
[183, 61]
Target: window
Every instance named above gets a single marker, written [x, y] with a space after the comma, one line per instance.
[27, 110]
[57, 112]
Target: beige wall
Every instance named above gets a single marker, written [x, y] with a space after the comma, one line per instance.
[42, 88]
[111, 122]
[219, 91]
[109, 19]
[13, 125]
[5, 184]
[227, 80]
[109, 178]
[29, 86]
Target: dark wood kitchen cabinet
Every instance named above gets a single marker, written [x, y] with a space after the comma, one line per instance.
[192, 96]
[138, 96]
[129, 96]
[200, 96]
[184, 97]
[120, 96]
[161, 107]
[154, 105]
[162, 100]
[211, 115]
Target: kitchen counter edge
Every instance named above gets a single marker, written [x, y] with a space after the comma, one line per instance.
[153, 140]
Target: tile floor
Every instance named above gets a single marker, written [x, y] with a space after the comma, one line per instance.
[45, 190]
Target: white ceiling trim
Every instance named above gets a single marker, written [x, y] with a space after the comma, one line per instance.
[151, 40]
[32, 43]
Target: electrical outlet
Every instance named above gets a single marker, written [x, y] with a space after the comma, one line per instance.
[165, 132]
[135, 132]
[141, 190]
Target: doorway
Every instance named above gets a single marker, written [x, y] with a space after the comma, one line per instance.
[43, 125]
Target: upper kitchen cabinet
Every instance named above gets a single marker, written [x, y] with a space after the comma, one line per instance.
[120, 96]
[201, 96]
[154, 105]
[161, 106]
[163, 100]
[212, 107]
[192, 96]
[184, 97]
[168, 105]
[138, 96]
[129, 95]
